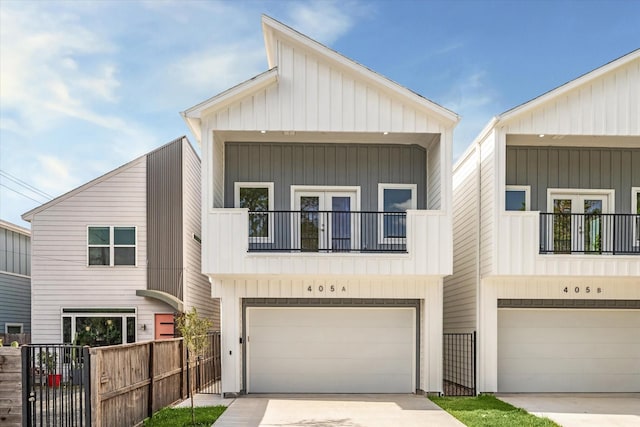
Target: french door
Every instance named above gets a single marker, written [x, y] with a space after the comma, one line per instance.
[326, 220]
[578, 224]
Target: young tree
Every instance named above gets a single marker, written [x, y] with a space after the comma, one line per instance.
[194, 333]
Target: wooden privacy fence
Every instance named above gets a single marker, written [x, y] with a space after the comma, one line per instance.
[130, 382]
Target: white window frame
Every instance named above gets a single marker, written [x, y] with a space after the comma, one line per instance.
[610, 194]
[527, 196]
[236, 203]
[13, 325]
[112, 246]
[634, 210]
[87, 312]
[414, 204]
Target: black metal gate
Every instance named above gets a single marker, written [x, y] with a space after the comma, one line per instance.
[459, 367]
[56, 386]
[207, 369]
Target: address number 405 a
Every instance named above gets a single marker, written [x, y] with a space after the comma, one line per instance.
[581, 290]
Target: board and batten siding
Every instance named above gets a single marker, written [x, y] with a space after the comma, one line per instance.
[15, 301]
[314, 94]
[488, 203]
[15, 252]
[607, 105]
[60, 275]
[197, 286]
[460, 289]
[574, 167]
[363, 165]
[434, 173]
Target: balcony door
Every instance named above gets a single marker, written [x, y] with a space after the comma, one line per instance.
[578, 224]
[326, 220]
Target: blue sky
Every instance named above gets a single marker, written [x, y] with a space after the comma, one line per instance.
[88, 86]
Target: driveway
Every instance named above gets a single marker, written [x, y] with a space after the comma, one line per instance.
[339, 410]
[581, 409]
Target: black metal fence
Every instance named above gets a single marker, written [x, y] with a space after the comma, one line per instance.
[207, 371]
[611, 234]
[459, 367]
[56, 385]
[327, 231]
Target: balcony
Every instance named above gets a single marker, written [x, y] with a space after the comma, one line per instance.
[327, 231]
[606, 234]
[527, 245]
[352, 243]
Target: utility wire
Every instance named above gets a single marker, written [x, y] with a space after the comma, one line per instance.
[22, 194]
[25, 184]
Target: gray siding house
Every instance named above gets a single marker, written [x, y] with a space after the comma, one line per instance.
[15, 279]
[326, 224]
[547, 239]
[116, 258]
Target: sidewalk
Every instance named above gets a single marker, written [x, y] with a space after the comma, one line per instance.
[205, 400]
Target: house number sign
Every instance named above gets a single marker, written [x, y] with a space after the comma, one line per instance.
[581, 290]
[327, 288]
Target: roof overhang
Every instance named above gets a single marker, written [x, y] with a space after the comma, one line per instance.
[270, 26]
[169, 299]
[193, 115]
[567, 87]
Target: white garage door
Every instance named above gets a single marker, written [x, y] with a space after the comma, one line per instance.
[331, 350]
[568, 350]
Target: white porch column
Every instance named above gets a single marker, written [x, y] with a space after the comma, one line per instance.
[230, 339]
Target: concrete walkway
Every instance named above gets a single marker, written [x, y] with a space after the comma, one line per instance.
[204, 400]
[581, 409]
[324, 410]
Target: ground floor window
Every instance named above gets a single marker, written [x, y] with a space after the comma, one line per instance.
[13, 328]
[98, 327]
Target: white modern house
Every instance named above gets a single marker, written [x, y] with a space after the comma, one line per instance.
[326, 224]
[115, 259]
[547, 239]
[15, 279]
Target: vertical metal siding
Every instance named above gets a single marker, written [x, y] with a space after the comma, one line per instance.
[365, 165]
[15, 301]
[164, 219]
[575, 167]
[15, 252]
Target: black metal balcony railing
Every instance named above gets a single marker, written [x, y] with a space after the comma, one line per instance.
[327, 231]
[609, 234]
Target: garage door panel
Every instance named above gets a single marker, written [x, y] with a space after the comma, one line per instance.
[573, 383]
[321, 383]
[558, 365]
[568, 350]
[575, 350]
[326, 366]
[335, 350]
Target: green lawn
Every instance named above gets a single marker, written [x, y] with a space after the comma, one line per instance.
[487, 411]
[181, 417]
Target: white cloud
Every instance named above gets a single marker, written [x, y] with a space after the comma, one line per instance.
[40, 68]
[474, 99]
[328, 20]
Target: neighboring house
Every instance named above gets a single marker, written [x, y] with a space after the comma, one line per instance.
[115, 259]
[546, 239]
[15, 280]
[326, 224]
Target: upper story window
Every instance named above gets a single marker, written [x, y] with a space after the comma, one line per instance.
[395, 198]
[257, 197]
[517, 198]
[111, 246]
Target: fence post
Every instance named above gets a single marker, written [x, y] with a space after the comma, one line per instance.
[151, 377]
[183, 383]
[87, 384]
[96, 384]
